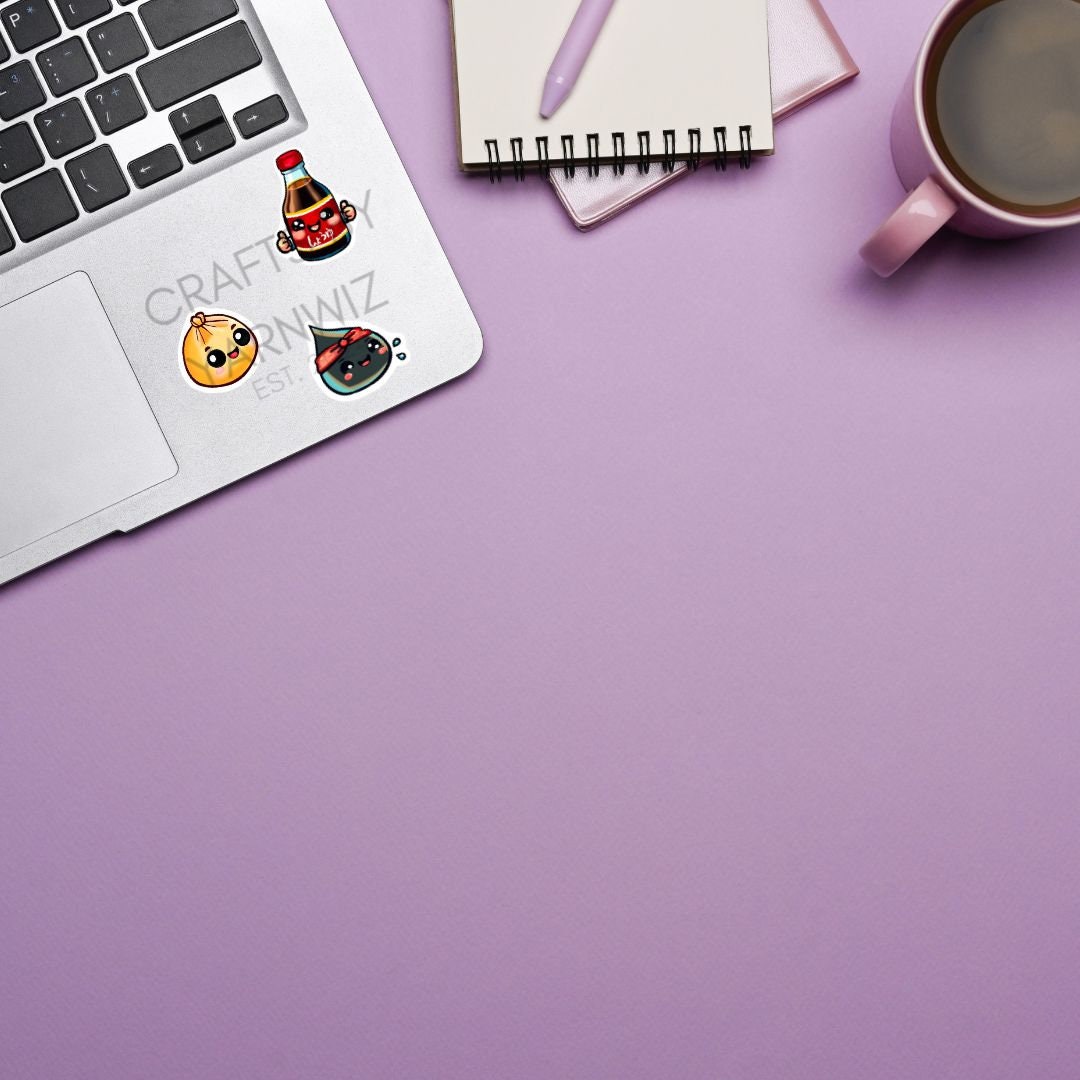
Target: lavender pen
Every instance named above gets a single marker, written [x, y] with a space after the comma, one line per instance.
[572, 54]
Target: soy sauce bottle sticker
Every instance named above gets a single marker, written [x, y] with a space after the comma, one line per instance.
[316, 225]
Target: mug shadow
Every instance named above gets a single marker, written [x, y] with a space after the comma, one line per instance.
[1040, 260]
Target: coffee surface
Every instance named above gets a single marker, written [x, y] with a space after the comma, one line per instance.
[1003, 101]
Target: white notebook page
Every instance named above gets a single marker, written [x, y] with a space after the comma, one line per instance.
[659, 65]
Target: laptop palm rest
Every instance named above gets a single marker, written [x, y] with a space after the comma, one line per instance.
[77, 435]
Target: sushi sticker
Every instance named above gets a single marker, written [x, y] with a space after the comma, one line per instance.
[348, 361]
[316, 224]
[218, 350]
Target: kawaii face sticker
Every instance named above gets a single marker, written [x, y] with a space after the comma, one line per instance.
[348, 361]
[316, 223]
[218, 350]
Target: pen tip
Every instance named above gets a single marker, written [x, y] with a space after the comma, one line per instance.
[555, 93]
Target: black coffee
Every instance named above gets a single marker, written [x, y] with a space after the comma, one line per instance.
[1003, 102]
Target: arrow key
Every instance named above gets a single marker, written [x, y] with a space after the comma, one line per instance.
[262, 116]
[196, 115]
[156, 166]
[208, 141]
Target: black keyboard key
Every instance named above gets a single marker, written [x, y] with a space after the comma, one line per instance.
[39, 205]
[97, 179]
[64, 129]
[170, 21]
[19, 153]
[118, 43]
[78, 13]
[196, 115]
[260, 117]
[7, 241]
[199, 65]
[4, 51]
[156, 166]
[202, 129]
[30, 23]
[208, 142]
[116, 104]
[66, 67]
[19, 90]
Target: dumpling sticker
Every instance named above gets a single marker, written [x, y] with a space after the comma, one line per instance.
[349, 361]
[218, 350]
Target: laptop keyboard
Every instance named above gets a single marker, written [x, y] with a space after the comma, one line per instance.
[81, 85]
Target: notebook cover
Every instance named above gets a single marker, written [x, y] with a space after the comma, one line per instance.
[808, 60]
[711, 69]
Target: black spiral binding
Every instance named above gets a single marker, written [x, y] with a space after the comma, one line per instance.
[517, 148]
[668, 159]
[644, 148]
[746, 149]
[594, 155]
[694, 161]
[669, 151]
[494, 162]
[568, 155]
[720, 134]
[618, 142]
[542, 154]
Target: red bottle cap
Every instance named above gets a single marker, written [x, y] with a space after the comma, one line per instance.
[290, 160]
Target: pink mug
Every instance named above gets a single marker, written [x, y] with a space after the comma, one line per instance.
[937, 197]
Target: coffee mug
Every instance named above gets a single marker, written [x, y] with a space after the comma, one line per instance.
[940, 193]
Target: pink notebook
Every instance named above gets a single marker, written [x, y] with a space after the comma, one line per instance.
[808, 60]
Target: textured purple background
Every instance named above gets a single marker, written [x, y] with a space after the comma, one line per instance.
[706, 708]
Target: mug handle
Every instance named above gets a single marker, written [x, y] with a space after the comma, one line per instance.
[926, 210]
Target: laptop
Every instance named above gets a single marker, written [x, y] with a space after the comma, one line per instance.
[210, 258]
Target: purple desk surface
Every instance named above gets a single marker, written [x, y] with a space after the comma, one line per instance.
[704, 705]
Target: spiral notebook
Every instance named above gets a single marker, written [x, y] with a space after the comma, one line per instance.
[809, 58]
[668, 81]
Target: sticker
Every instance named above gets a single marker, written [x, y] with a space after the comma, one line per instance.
[349, 361]
[218, 350]
[316, 224]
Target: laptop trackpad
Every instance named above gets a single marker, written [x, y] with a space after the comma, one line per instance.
[76, 433]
